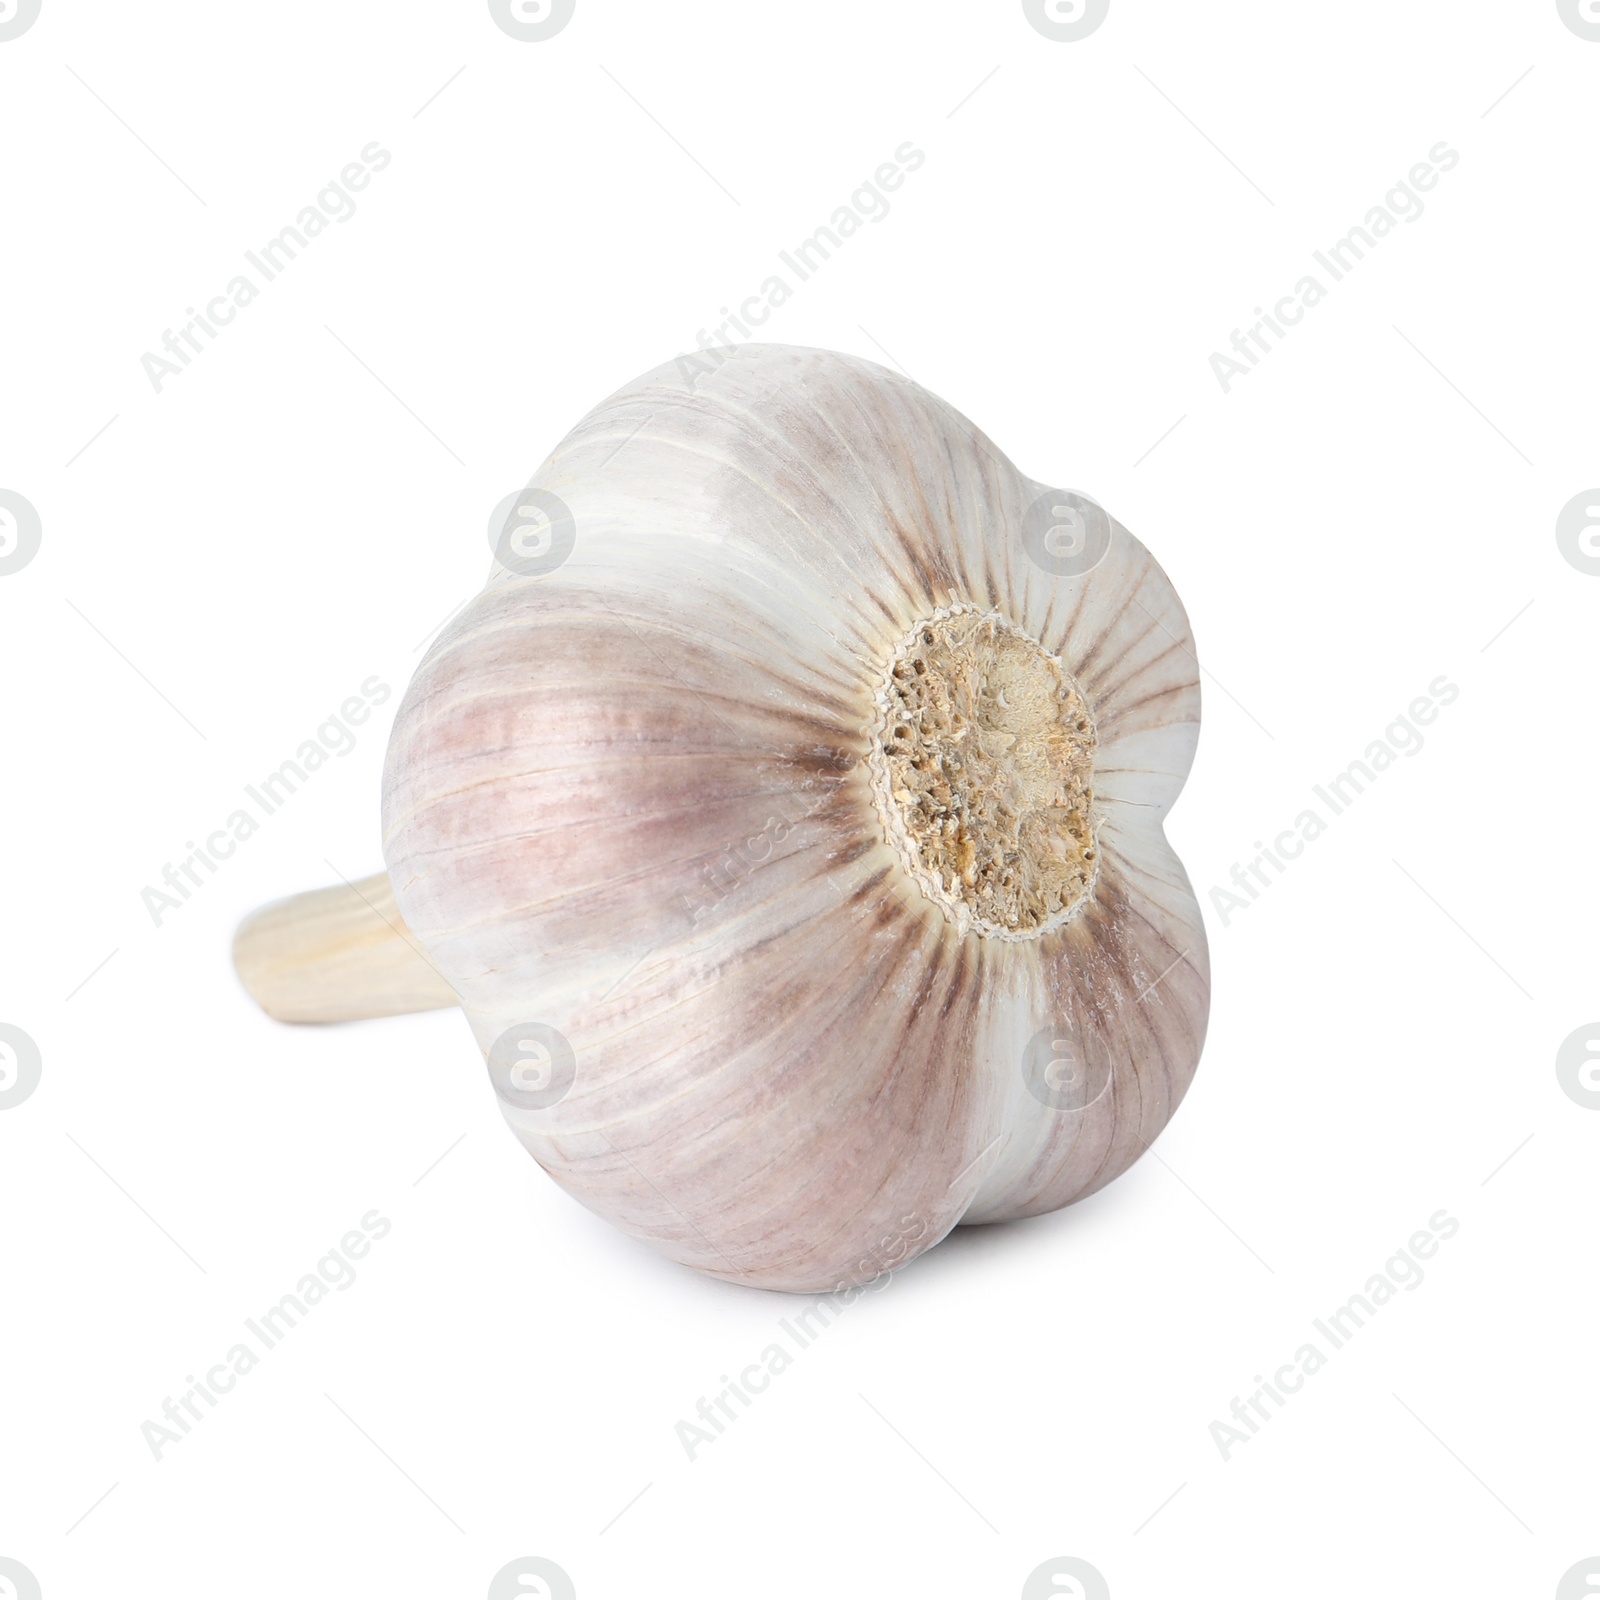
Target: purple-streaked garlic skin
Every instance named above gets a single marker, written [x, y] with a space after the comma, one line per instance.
[630, 799]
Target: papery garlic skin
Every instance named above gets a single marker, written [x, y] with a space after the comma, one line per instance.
[631, 800]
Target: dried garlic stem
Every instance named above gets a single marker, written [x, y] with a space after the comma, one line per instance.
[336, 955]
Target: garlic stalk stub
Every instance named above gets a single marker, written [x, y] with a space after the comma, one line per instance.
[793, 840]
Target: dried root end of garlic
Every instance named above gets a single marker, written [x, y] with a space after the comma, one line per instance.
[982, 764]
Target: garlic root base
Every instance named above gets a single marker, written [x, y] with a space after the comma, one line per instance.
[336, 955]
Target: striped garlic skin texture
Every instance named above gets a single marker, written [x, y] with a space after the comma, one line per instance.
[629, 799]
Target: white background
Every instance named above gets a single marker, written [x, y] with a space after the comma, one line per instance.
[227, 560]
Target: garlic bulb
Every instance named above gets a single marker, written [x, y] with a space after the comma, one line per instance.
[789, 825]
